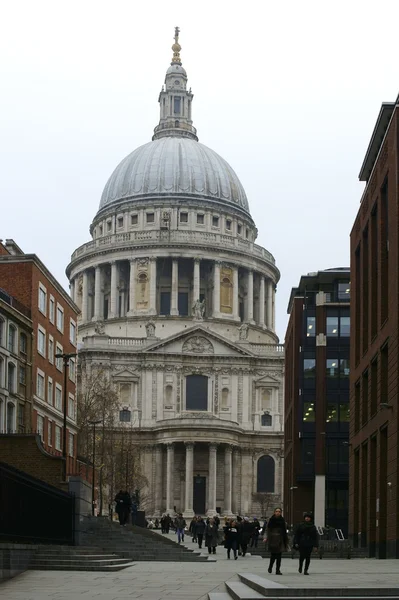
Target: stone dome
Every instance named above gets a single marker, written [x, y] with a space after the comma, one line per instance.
[174, 166]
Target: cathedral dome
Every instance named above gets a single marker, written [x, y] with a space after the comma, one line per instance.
[174, 166]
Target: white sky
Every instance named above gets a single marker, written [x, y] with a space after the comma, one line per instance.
[287, 92]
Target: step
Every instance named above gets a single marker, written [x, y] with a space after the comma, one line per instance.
[240, 591]
[99, 568]
[260, 584]
[219, 596]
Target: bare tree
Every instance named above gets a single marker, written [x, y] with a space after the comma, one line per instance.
[266, 501]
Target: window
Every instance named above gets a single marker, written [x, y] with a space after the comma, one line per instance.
[42, 299]
[265, 475]
[344, 291]
[50, 349]
[58, 360]
[70, 444]
[51, 309]
[182, 303]
[134, 219]
[183, 217]
[164, 303]
[50, 391]
[239, 229]
[60, 318]
[12, 338]
[308, 412]
[109, 226]
[228, 224]
[266, 420]
[40, 385]
[100, 230]
[345, 326]
[23, 344]
[57, 437]
[2, 340]
[72, 369]
[58, 397]
[247, 233]
[332, 366]
[11, 378]
[309, 368]
[71, 406]
[332, 326]
[176, 105]
[10, 417]
[150, 217]
[196, 392]
[344, 368]
[120, 222]
[310, 326]
[72, 332]
[124, 416]
[200, 219]
[49, 433]
[215, 221]
[20, 417]
[40, 426]
[22, 375]
[332, 412]
[41, 342]
[344, 412]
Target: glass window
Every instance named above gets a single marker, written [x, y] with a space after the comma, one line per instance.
[22, 375]
[72, 369]
[239, 229]
[332, 366]
[10, 417]
[40, 425]
[23, 344]
[310, 326]
[344, 291]
[308, 412]
[71, 406]
[176, 105]
[42, 300]
[12, 336]
[344, 367]
[57, 437]
[120, 222]
[50, 433]
[182, 303]
[200, 219]
[164, 303]
[344, 412]
[51, 350]
[41, 342]
[60, 319]
[58, 397]
[124, 416]
[134, 219]
[58, 360]
[332, 412]
[215, 221]
[196, 392]
[109, 225]
[70, 444]
[183, 217]
[2, 336]
[309, 368]
[228, 224]
[40, 386]
[150, 217]
[265, 474]
[266, 420]
[345, 326]
[332, 326]
[50, 391]
[72, 332]
[11, 378]
[52, 309]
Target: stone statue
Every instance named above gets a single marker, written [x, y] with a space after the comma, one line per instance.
[99, 328]
[199, 309]
[150, 329]
[197, 345]
[243, 332]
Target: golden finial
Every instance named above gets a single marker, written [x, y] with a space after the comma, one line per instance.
[176, 48]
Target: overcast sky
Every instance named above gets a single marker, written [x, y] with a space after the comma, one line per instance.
[287, 92]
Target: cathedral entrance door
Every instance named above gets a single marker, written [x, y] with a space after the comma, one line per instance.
[199, 495]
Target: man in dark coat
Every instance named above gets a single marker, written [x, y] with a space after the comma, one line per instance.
[306, 538]
[246, 534]
[123, 504]
[277, 539]
[200, 530]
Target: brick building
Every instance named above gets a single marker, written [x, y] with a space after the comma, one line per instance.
[317, 399]
[53, 321]
[374, 425]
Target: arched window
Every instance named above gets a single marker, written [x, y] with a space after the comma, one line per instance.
[266, 420]
[23, 343]
[12, 335]
[225, 398]
[2, 382]
[11, 378]
[265, 478]
[196, 392]
[10, 417]
[2, 338]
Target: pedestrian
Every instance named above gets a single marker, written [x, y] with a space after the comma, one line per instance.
[246, 534]
[192, 528]
[255, 533]
[239, 532]
[200, 530]
[277, 539]
[123, 504]
[167, 523]
[217, 521]
[211, 536]
[231, 538]
[306, 539]
[180, 524]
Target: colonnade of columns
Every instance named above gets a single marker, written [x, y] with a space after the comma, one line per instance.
[230, 472]
[264, 307]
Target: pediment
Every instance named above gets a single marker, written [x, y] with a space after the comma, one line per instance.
[197, 341]
[268, 381]
[124, 373]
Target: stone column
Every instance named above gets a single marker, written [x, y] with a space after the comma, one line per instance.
[72, 289]
[153, 286]
[236, 315]
[188, 512]
[236, 462]
[212, 480]
[269, 308]
[170, 478]
[85, 297]
[250, 296]
[227, 479]
[174, 308]
[158, 480]
[114, 291]
[273, 309]
[97, 294]
[216, 290]
[262, 302]
[196, 280]
[132, 288]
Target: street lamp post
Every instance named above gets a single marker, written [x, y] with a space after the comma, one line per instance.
[93, 479]
[66, 358]
[292, 488]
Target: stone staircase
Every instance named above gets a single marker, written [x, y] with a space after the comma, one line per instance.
[253, 587]
[75, 558]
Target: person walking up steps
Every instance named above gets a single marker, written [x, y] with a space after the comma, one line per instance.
[306, 538]
[211, 536]
[200, 530]
[180, 524]
[277, 539]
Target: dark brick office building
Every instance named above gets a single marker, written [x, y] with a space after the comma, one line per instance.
[374, 424]
[317, 399]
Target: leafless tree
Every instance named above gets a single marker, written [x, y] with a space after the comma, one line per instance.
[266, 501]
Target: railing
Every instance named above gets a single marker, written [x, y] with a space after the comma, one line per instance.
[116, 341]
[193, 237]
[15, 303]
[32, 511]
[266, 348]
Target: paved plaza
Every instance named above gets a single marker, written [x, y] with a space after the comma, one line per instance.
[192, 581]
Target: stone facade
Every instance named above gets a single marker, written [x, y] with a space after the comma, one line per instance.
[177, 305]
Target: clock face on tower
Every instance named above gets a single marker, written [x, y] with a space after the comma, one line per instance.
[177, 82]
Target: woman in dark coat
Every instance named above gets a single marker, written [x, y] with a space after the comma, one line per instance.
[231, 538]
[306, 538]
[211, 536]
[277, 539]
[246, 534]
